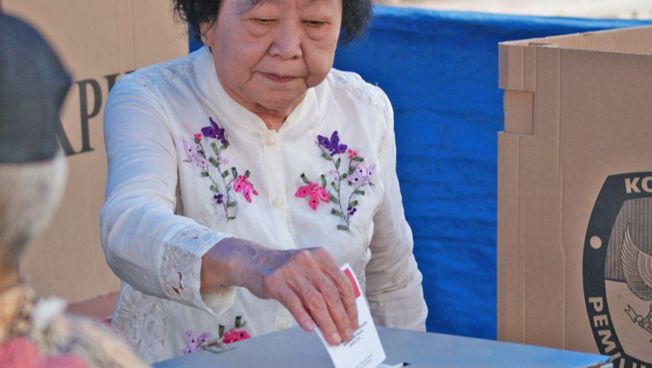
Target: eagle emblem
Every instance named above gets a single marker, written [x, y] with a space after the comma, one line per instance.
[637, 267]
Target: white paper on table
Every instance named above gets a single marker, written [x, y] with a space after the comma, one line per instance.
[365, 349]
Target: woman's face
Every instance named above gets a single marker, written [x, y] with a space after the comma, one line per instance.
[267, 55]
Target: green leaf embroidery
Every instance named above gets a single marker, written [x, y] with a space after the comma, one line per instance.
[238, 321]
[234, 172]
[232, 204]
[225, 173]
[337, 213]
[353, 204]
[304, 179]
[204, 174]
[214, 188]
[338, 162]
[215, 149]
[357, 159]
[326, 156]
[323, 181]
[342, 227]
[333, 199]
[213, 161]
[359, 191]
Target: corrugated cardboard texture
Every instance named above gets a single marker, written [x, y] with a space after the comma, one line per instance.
[589, 117]
[624, 41]
[98, 40]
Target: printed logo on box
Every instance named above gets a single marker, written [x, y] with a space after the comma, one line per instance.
[617, 269]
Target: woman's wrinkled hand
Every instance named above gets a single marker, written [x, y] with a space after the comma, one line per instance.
[306, 281]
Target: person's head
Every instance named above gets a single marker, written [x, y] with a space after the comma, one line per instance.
[33, 85]
[267, 53]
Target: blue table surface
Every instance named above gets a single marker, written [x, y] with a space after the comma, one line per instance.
[296, 348]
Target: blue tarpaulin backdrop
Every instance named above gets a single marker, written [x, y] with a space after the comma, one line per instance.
[440, 70]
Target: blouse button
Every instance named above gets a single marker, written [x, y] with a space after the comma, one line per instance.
[282, 323]
[270, 140]
[277, 202]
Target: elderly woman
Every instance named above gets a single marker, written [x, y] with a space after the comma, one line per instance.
[34, 332]
[242, 176]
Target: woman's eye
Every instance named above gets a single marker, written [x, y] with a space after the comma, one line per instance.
[314, 23]
[264, 21]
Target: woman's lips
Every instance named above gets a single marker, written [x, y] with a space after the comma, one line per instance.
[279, 78]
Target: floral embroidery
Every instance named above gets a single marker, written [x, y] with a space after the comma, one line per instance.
[236, 333]
[224, 182]
[356, 174]
[332, 144]
[224, 337]
[315, 191]
[243, 185]
[194, 343]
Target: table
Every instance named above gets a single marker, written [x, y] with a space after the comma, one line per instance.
[296, 348]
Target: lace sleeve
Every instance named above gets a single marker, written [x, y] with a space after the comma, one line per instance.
[146, 244]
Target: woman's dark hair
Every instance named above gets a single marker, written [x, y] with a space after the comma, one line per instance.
[356, 14]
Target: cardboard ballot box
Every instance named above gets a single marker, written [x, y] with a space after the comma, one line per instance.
[294, 348]
[575, 194]
[99, 41]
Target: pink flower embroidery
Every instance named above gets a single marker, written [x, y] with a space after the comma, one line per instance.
[235, 334]
[352, 153]
[243, 185]
[315, 192]
[198, 137]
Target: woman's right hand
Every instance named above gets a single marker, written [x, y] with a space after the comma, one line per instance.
[306, 281]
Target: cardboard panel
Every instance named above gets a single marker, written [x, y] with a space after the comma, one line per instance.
[99, 40]
[633, 40]
[584, 180]
[541, 181]
[519, 111]
[510, 281]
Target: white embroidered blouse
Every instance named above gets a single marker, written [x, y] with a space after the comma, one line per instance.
[189, 166]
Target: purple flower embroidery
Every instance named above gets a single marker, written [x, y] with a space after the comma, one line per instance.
[191, 150]
[195, 155]
[362, 174]
[214, 131]
[194, 343]
[332, 144]
[219, 198]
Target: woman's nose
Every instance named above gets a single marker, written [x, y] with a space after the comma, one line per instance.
[287, 41]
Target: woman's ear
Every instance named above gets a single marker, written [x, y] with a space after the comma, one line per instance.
[206, 31]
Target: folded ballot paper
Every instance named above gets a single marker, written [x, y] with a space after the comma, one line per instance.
[365, 349]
